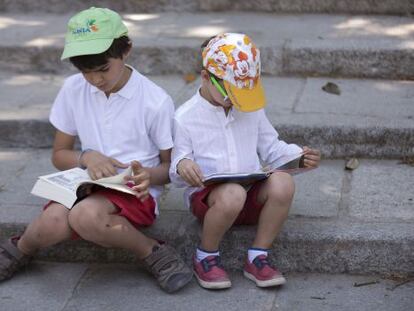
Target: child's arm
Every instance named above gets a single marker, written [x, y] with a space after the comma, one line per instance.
[159, 174]
[64, 158]
[270, 148]
[63, 155]
[184, 171]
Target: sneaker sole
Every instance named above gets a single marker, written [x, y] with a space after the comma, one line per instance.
[212, 285]
[273, 282]
[180, 284]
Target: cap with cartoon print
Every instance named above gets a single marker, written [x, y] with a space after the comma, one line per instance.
[235, 59]
[92, 31]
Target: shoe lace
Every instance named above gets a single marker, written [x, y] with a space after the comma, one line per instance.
[211, 262]
[260, 262]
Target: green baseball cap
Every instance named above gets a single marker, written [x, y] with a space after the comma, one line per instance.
[92, 31]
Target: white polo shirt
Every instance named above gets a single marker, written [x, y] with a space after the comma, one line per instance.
[235, 143]
[132, 124]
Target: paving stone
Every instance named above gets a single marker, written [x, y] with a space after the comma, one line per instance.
[41, 287]
[382, 190]
[67, 287]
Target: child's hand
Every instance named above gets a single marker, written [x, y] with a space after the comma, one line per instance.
[312, 157]
[190, 172]
[99, 165]
[141, 179]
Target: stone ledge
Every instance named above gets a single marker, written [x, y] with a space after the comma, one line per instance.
[333, 141]
[304, 245]
[401, 7]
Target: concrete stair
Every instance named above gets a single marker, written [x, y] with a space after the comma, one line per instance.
[395, 7]
[342, 221]
[370, 118]
[168, 43]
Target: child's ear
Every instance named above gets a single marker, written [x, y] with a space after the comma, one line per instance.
[205, 75]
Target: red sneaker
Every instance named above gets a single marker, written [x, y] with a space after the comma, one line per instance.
[260, 272]
[210, 273]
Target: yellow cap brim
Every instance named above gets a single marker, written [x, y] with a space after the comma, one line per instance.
[246, 100]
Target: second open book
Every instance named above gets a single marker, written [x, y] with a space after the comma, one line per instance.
[290, 164]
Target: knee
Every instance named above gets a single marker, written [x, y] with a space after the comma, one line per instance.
[86, 220]
[52, 224]
[281, 187]
[231, 200]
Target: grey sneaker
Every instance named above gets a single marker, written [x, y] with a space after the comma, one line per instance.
[11, 259]
[168, 268]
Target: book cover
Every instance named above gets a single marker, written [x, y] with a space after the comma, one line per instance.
[290, 164]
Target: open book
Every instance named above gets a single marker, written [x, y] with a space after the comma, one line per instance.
[290, 164]
[66, 187]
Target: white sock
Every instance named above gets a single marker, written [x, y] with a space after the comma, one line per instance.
[252, 253]
[201, 254]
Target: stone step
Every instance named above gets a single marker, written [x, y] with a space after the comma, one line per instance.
[165, 43]
[398, 7]
[69, 286]
[340, 222]
[370, 118]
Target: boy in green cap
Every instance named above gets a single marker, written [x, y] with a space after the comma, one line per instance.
[121, 119]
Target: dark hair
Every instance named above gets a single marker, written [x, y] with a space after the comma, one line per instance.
[118, 48]
[203, 45]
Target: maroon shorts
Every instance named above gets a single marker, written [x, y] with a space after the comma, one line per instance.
[138, 213]
[249, 215]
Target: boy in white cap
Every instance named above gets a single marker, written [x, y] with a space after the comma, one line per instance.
[120, 118]
[210, 136]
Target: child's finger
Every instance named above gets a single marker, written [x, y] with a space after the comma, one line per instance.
[312, 157]
[116, 163]
[92, 174]
[199, 173]
[305, 149]
[190, 177]
[136, 167]
[109, 170]
[310, 163]
[196, 179]
[142, 186]
[141, 177]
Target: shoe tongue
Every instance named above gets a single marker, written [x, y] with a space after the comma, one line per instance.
[213, 260]
[260, 260]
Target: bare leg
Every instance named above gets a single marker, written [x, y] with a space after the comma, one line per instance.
[276, 195]
[93, 220]
[225, 203]
[49, 228]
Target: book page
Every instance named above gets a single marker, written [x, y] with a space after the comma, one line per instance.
[68, 179]
[117, 179]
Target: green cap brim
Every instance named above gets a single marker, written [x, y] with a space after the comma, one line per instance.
[87, 47]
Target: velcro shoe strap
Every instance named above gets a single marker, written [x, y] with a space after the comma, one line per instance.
[12, 250]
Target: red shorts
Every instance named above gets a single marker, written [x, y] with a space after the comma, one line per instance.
[249, 215]
[138, 213]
